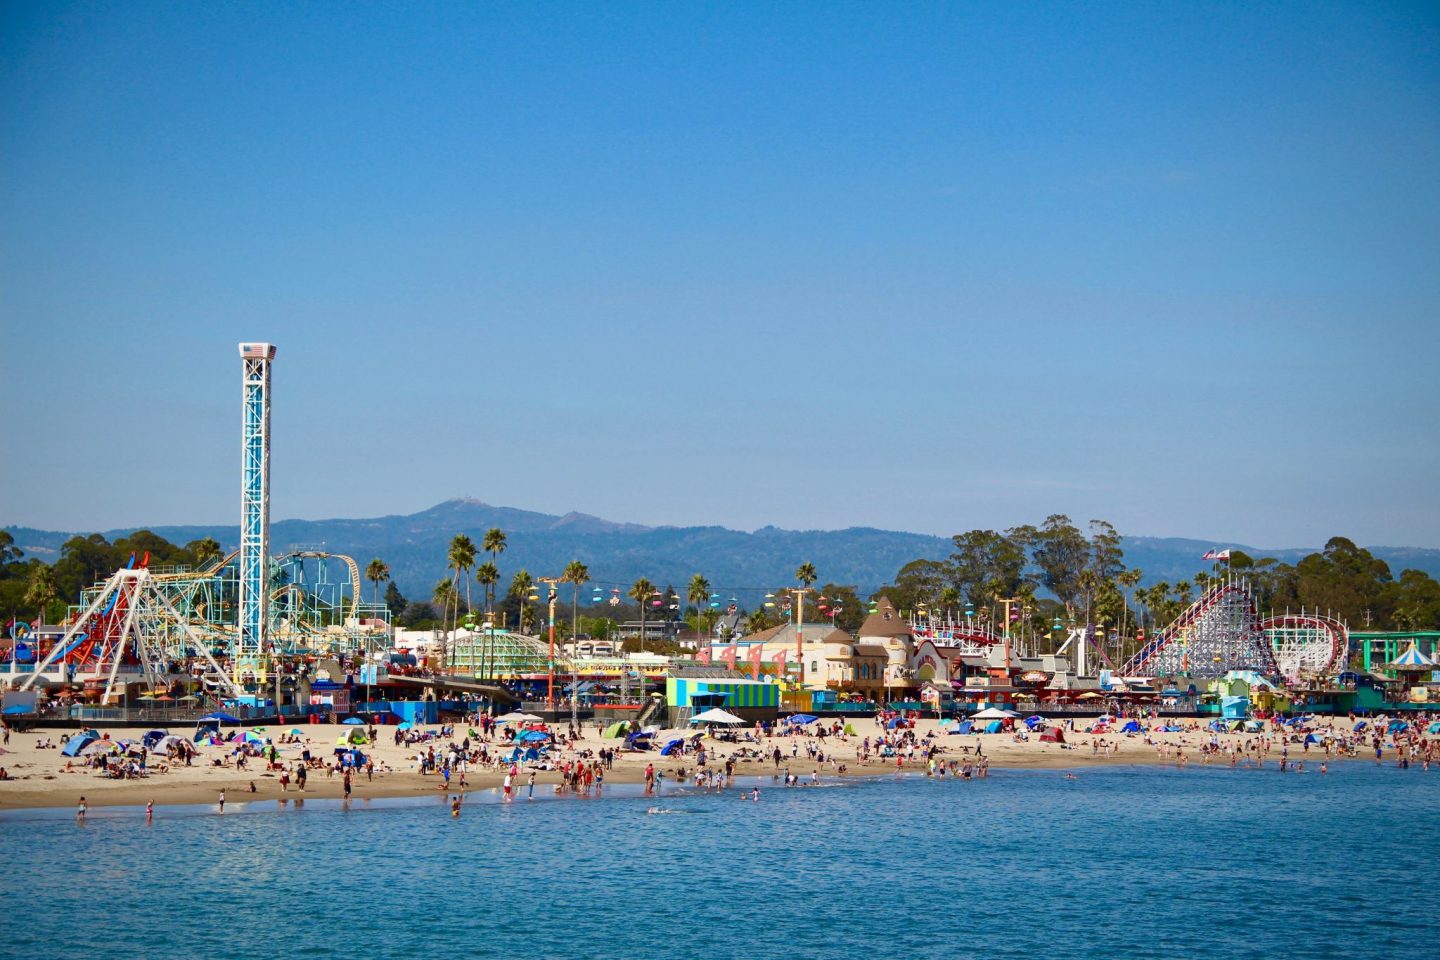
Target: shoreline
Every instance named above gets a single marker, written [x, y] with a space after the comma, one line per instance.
[39, 781]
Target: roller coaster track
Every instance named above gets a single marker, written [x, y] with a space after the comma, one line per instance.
[1218, 632]
[1307, 643]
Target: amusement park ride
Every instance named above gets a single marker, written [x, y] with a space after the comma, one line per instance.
[1219, 632]
[228, 623]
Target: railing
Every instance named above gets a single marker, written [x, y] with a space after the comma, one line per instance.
[845, 706]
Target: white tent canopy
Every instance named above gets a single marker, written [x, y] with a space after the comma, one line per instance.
[716, 715]
[517, 718]
[994, 713]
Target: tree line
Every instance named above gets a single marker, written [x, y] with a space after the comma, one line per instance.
[1053, 574]
[1057, 573]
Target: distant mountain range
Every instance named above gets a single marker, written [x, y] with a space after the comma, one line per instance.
[619, 553]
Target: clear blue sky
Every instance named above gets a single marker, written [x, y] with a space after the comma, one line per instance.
[917, 266]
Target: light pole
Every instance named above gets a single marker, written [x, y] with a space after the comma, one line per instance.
[554, 583]
[1007, 601]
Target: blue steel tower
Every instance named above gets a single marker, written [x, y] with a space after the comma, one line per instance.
[254, 508]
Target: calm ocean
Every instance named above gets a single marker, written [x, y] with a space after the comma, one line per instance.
[1123, 862]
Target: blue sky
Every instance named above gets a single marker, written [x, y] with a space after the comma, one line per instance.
[923, 266]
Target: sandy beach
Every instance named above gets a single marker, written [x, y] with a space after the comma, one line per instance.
[40, 778]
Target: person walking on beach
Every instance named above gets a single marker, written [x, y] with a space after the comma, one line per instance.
[222, 801]
[531, 795]
[649, 779]
[347, 785]
[80, 809]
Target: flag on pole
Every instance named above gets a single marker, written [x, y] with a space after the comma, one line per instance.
[755, 656]
[1216, 555]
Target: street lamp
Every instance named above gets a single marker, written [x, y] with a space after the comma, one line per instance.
[554, 584]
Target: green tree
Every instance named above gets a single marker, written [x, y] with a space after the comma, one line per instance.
[377, 572]
[521, 586]
[806, 574]
[698, 593]
[206, 551]
[757, 621]
[640, 592]
[493, 543]
[919, 581]
[462, 560]
[9, 553]
[41, 590]
[842, 601]
[1415, 600]
[985, 565]
[487, 575]
[395, 601]
[1061, 553]
[577, 575]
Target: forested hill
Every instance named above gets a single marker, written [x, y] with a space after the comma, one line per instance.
[415, 548]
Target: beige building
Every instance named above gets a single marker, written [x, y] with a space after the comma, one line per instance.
[833, 659]
[887, 630]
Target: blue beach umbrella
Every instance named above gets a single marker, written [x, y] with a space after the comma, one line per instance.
[353, 722]
[801, 718]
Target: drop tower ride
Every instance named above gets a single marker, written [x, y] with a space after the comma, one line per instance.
[251, 646]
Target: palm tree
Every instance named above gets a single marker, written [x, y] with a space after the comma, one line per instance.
[487, 575]
[757, 621]
[577, 574]
[1128, 579]
[493, 543]
[520, 586]
[41, 589]
[376, 571]
[444, 592]
[699, 594]
[806, 574]
[949, 600]
[206, 551]
[462, 559]
[640, 592]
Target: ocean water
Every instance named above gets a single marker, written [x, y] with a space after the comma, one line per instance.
[1121, 862]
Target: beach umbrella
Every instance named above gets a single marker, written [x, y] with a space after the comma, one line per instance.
[218, 717]
[407, 725]
[353, 721]
[296, 732]
[716, 715]
[994, 713]
[801, 718]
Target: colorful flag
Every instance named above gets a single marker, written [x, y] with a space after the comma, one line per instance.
[755, 656]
